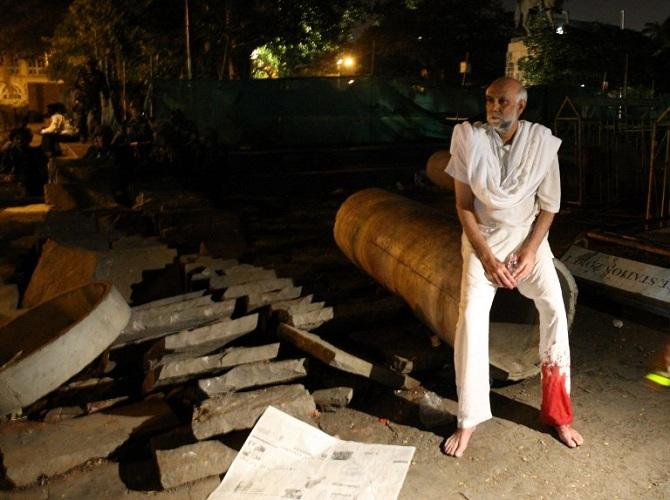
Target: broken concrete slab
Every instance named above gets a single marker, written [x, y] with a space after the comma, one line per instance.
[194, 461]
[240, 411]
[45, 346]
[124, 266]
[233, 277]
[63, 267]
[285, 305]
[256, 300]
[337, 358]
[148, 325]
[170, 300]
[257, 287]
[178, 368]
[59, 268]
[332, 398]
[254, 375]
[205, 339]
[311, 319]
[31, 450]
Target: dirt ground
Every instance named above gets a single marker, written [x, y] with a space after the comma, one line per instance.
[625, 424]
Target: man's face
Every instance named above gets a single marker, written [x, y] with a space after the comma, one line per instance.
[503, 106]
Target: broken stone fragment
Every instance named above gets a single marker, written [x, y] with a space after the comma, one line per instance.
[256, 300]
[31, 450]
[254, 375]
[148, 324]
[233, 277]
[257, 287]
[194, 461]
[203, 340]
[61, 268]
[333, 398]
[241, 410]
[337, 358]
[177, 368]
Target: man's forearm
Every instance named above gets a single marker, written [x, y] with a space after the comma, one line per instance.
[540, 229]
[473, 234]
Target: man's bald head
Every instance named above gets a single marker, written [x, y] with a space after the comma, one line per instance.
[511, 86]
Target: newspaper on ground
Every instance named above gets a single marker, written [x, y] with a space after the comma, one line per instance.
[284, 457]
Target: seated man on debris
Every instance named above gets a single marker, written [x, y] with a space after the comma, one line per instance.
[507, 187]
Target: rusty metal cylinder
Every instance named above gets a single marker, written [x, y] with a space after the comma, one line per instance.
[415, 252]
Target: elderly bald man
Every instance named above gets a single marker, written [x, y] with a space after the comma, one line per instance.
[507, 190]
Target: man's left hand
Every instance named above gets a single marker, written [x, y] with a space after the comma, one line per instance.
[525, 262]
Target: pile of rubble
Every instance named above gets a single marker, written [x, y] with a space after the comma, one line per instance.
[183, 373]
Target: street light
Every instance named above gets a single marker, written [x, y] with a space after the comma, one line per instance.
[346, 64]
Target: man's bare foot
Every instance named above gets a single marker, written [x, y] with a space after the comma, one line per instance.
[455, 445]
[569, 436]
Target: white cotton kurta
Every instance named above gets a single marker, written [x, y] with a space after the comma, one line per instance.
[506, 173]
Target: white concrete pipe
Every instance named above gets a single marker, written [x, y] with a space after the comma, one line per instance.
[414, 251]
[48, 344]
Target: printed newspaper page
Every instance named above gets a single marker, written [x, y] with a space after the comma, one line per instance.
[284, 457]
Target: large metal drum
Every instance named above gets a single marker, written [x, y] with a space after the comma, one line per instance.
[415, 252]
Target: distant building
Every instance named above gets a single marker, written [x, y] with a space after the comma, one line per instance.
[516, 50]
[24, 83]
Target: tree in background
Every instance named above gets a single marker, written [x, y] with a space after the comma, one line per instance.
[26, 24]
[410, 35]
[146, 37]
[586, 54]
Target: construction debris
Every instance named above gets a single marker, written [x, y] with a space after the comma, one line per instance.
[254, 375]
[332, 398]
[337, 358]
[240, 411]
[44, 347]
[194, 461]
[31, 450]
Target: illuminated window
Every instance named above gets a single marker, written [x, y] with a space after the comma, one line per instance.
[37, 66]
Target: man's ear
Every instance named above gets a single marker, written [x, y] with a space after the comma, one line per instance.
[521, 106]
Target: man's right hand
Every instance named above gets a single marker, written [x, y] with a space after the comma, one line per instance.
[498, 272]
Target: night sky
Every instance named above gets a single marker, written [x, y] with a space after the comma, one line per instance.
[638, 12]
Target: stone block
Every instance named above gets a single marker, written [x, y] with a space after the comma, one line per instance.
[177, 368]
[31, 450]
[311, 319]
[254, 375]
[256, 300]
[62, 267]
[257, 287]
[170, 300]
[231, 278]
[333, 398]
[285, 305]
[151, 324]
[240, 411]
[337, 358]
[194, 461]
[206, 338]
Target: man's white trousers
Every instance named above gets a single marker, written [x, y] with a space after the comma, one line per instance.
[471, 344]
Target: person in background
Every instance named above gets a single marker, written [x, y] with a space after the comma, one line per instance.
[60, 129]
